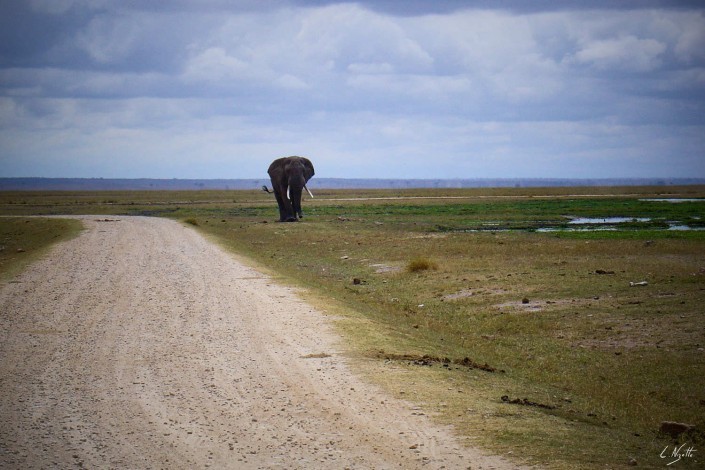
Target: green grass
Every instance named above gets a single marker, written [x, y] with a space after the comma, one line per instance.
[553, 313]
[23, 240]
[612, 360]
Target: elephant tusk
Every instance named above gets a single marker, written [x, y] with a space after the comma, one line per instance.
[288, 195]
[309, 191]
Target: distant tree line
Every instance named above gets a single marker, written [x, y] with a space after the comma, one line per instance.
[144, 184]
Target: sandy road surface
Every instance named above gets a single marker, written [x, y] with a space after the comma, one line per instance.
[140, 344]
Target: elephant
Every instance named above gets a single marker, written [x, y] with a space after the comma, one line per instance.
[289, 176]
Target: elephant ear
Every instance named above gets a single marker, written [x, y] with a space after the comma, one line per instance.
[308, 168]
[277, 167]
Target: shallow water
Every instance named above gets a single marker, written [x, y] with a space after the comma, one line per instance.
[581, 229]
[607, 220]
[611, 228]
[596, 224]
[672, 200]
[684, 227]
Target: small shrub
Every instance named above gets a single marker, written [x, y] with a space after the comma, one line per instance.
[192, 221]
[421, 264]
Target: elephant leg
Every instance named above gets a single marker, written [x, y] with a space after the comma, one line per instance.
[296, 201]
[280, 204]
[286, 213]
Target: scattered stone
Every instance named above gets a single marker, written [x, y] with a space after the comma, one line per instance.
[633, 462]
[381, 268]
[602, 271]
[357, 281]
[636, 284]
[674, 429]
[20, 250]
[525, 300]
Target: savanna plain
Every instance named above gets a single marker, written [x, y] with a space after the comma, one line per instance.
[557, 326]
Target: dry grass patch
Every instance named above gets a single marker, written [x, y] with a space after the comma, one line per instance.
[563, 356]
[421, 264]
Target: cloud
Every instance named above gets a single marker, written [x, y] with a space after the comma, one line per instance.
[109, 39]
[627, 53]
[444, 7]
[58, 7]
[215, 64]
[690, 38]
[370, 68]
[138, 88]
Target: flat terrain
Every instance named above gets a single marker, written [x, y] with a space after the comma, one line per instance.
[139, 344]
[554, 326]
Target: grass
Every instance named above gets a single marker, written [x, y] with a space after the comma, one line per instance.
[23, 240]
[553, 314]
[421, 264]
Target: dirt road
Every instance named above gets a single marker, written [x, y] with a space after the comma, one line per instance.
[140, 344]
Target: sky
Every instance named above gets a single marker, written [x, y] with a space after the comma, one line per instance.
[370, 89]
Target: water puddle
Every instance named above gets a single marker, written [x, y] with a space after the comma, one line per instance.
[606, 220]
[591, 224]
[595, 224]
[572, 229]
[672, 200]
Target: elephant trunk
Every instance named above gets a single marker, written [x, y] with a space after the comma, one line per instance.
[293, 194]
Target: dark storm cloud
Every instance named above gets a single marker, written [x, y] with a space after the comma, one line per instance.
[424, 7]
[26, 37]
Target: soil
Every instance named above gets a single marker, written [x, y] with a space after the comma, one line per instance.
[140, 344]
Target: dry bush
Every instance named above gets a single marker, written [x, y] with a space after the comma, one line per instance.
[421, 264]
